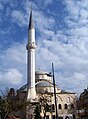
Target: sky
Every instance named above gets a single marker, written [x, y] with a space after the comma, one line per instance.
[61, 38]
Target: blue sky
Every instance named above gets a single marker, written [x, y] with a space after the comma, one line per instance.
[61, 37]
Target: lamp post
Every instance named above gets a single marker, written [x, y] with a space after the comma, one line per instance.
[54, 91]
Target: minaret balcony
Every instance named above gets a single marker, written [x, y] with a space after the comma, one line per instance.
[31, 46]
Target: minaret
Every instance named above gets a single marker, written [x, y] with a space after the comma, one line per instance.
[31, 93]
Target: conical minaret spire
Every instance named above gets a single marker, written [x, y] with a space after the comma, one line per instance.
[31, 93]
[31, 22]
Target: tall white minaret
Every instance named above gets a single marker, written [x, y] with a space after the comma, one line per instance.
[31, 93]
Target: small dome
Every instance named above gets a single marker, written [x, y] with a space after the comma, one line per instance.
[23, 88]
[39, 72]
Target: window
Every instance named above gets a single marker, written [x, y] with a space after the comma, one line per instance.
[59, 106]
[65, 106]
[53, 107]
[66, 117]
[47, 117]
[53, 117]
[47, 108]
[72, 106]
[60, 117]
[74, 116]
[40, 108]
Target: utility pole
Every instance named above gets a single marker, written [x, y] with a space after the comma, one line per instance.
[54, 91]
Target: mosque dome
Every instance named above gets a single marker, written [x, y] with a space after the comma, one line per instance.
[44, 84]
[39, 72]
[42, 79]
[38, 84]
[42, 75]
[23, 88]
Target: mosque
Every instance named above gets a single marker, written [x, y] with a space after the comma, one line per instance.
[42, 80]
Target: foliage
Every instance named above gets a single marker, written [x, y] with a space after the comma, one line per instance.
[44, 100]
[82, 102]
[37, 111]
[11, 103]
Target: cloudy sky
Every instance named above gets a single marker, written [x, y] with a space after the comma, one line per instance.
[61, 37]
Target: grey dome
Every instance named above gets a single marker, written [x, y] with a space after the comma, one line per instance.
[38, 84]
[44, 84]
[23, 88]
[40, 72]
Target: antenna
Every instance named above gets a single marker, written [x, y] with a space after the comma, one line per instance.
[54, 91]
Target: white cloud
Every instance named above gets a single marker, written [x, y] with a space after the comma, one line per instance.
[81, 31]
[13, 66]
[19, 17]
[11, 77]
[70, 60]
[47, 2]
[42, 21]
[72, 7]
[16, 53]
[79, 76]
[83, 13]
[78, 11]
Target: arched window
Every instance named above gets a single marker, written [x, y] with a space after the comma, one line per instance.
[66, 117]
[53, 107]
[47, 108]
[59, 106]
[72, 106]
[65, 106]
[40, 108]
[68, 99]
[47, 116]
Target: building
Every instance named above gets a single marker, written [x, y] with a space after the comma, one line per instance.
[42, 81]
[65, 100]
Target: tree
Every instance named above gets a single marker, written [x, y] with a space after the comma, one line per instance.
[82, 103]
[37, 111]
[11, 103]
[44, 100]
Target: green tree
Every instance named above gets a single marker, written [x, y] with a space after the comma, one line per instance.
[82, 103]
[44, 100]
[11, 103]
[37, 111]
